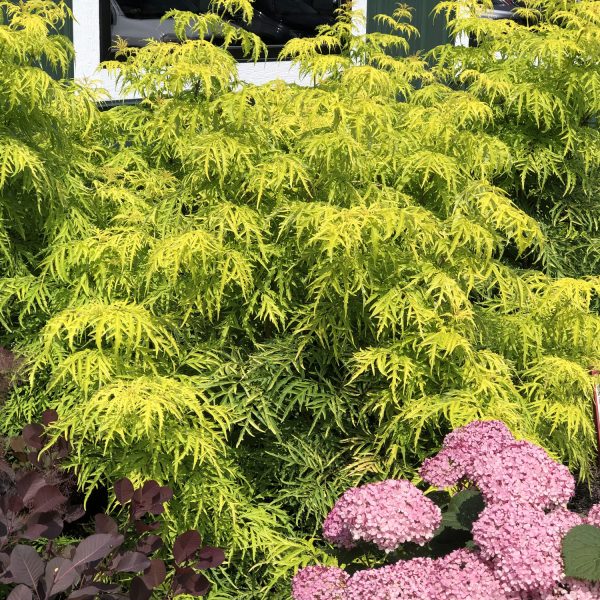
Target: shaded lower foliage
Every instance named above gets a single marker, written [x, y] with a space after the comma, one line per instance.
[8, 364]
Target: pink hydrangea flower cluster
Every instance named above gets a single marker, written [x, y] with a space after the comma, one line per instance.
[518, 534]
[523, 545]
[525, 491]
[593, 516]
[570, 589]
[459, 575]
[504, 469]
[320, 583]
[388, 514]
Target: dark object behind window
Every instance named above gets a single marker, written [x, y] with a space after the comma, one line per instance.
[155, 9]
[275, 21]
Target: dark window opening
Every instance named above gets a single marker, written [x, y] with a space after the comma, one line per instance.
[504, 9]
[275, 21]
[155, 9]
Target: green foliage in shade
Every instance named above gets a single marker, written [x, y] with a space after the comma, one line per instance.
[263, 295]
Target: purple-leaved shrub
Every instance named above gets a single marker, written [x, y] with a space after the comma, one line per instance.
[109, 561]
[517, 538]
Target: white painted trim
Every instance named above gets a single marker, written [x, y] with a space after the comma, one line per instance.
[86, 37]
[362, 6]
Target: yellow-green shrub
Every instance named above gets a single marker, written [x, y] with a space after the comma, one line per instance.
[262, 295]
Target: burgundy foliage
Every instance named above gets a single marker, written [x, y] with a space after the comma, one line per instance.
[35, 505]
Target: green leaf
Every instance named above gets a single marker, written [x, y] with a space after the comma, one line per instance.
[463, 509]
[581, 552]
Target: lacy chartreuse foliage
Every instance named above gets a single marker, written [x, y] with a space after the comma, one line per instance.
[262, 295]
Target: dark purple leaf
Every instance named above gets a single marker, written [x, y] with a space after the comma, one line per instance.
[4, 560]
[29, 484]
[15, 504]
[131, 562]
[95, 547]
[26, 566]
[189, 582]
[186, 546]
[124, 490]
[49, 416]
[74, 513]
[33, 458]
[7, 469]
[155, 574]
[149, 544]
[17, 444]
[47, 498]
[149, 493]
[156, 509]
[21, 592]
[105, 524]
[147, 499]
[166, 493]
[138, 590]
[209, 557]
[142, 527]
[91, 591]
[48, 525]
[60, 575]
[33, 436]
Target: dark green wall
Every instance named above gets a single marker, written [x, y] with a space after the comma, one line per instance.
[433, 32]
[66, 29]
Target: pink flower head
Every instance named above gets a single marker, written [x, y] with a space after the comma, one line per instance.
[464, 574]
[593, 516]
[523, 473]
[580, 590]
[522, 544]
[319, 583]
[504, 469]
[461, 450]
[459, 575]
[404, 580]
[387, 513]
